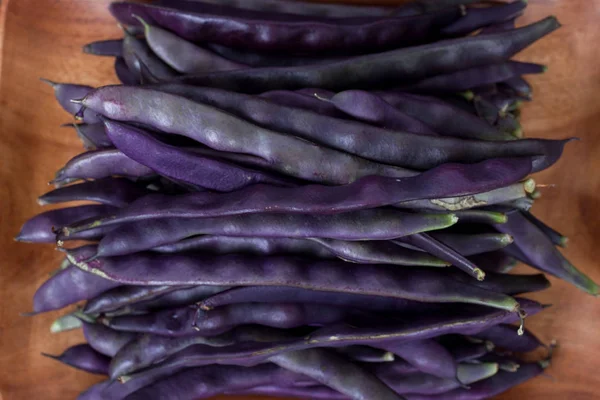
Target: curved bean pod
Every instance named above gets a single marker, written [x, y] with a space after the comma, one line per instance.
[505, 337]
[234, 135]
[427, 285]
[124, 74]
[68, 287]
[136, 51]
[491, 387]
[305, 8]
[332, 370]
[111, 48]
[390, 68]
[122, 296]
[181, 165]
[188, 320]
[189, 352]
[427, 356]
[105, 340]
[250, 29]
[540, 252]
[376, 224]
[470, 78]
[369, 192]
[65, 92]
[477, 18]
[92, 135]
[98, 164]
[85, 358]
[182, 55]
[123, 103]
[114, 192]
[40, 229]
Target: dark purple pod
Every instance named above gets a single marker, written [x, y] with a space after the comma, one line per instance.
[93, 136]
[185, 296]
[427, 356]
[116, 192]
[41, 228]
[376, 224]
[366, 354]
[65, 92]
[471, 244]
[314, 392]
[253, 30]
[85, 358]
[105, 340]
[126, 77]
[136, 51]
[98, 164]
[463, 349]
[499, 27]
[397, 148]
[480, 17]
[392, 68]
[183, 56]
[467, 79]
[539, 251]
[442, 117]
[123, 296]
[300, 100]
[181, 165]
[491, 387]
[302, 8]
[370, 192]
[370, 108]
[330, 369]
[68, 287]
[496, 261]
[111, 48]
[519, 85]
[506, 337]
[192, 320]
[262, 59]
[556, 237]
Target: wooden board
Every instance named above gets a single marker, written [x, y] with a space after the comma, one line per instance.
[43, 38]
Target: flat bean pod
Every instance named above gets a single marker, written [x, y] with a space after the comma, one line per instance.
[105, 340]
[69, 286]
[186, 353]
[541, 253]
[194, 321]
[443, 118]
[116, 192]
[250, 29]
[183, 56]
[427, 356]
[122, 296]
[92, 135]
[428, 285]
[181, 165]
[40, 229]
[85, 358]
[407, 150]
[394, 67]
[369, 192]
[470, 78]
[377, 224]
[98, 164]
[124, 74]
[491, 387]
[111, 48]
[336, 372]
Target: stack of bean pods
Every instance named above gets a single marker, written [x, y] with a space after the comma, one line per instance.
[306, 200]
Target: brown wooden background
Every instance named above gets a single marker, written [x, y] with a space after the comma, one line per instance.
[43, 38]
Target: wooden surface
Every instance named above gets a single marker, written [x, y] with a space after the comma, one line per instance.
[43, 39]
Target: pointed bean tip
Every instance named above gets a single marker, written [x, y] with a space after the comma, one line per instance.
[507, 239]
[49, 82]
[518, 132]
[69, 125]
[19, 238]
[529, 185]
[563, 241]
[52, 356]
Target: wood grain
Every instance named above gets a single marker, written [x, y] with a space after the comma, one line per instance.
[44, 38]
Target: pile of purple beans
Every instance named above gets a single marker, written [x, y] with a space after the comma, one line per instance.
[304, 200]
